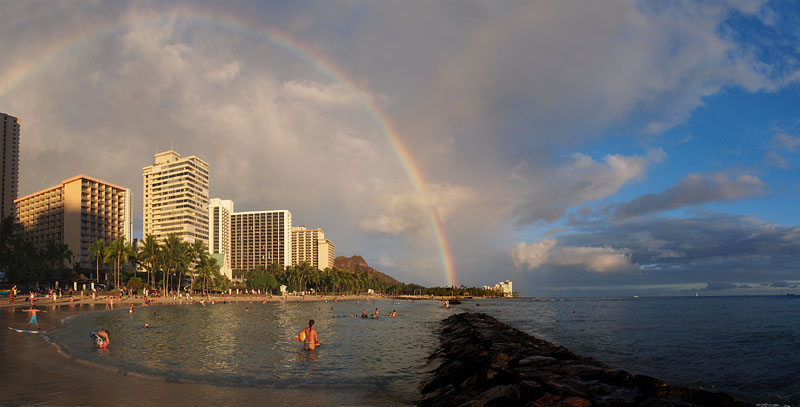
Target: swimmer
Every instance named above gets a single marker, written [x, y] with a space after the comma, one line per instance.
[132, 310]
[375, 315]
[311, 339]
[34, 319]
[364, 314]
[102, 338]
[393, 313]
[146, 325]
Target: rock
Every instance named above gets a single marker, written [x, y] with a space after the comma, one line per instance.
[536, 361]
[546, 400]
[574, 402]
[586, 372]
[529, 389]
[483, 362]
[500, 395]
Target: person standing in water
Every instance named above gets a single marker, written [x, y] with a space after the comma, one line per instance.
[311, 340]
[34, 318]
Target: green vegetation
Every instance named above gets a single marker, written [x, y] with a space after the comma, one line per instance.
[174, 264]
[25, 264]
[333, 281]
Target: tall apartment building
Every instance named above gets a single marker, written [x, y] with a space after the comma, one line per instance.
[260, 238]
[9, 174]
[219, 233]
[176, 197]
[77, 212]
[310, 245]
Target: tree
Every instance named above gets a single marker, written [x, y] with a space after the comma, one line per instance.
[148, 255]
[97, 250]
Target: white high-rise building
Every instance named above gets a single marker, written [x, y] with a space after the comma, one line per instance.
[176, 197]
[219, 232]
[311, 246]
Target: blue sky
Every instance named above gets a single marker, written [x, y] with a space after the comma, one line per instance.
[602, 148]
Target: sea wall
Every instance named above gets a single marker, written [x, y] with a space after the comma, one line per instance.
[484, 362]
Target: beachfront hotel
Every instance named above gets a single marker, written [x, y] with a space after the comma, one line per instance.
[9, 152]
[504, 287]
[311, 246]
[77, 212]
[260, 238]
[176, 197]
[219, 233]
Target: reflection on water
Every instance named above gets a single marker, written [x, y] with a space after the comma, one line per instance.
[224, 344]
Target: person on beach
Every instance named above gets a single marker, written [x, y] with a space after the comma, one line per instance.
[311, 340]
[34, 319]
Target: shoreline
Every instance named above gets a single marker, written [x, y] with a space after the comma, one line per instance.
[38, 371]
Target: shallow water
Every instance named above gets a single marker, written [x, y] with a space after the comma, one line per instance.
[746, 346]
[223, 344]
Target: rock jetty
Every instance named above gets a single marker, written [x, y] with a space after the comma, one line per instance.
[484, 362]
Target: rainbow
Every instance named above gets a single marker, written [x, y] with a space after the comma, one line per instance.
[224, 20]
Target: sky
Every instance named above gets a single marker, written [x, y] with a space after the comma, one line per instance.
[576, 148]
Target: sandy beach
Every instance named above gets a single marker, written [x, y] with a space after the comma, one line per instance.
[36, 372]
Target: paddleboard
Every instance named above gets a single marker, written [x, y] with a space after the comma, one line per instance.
[25, 331]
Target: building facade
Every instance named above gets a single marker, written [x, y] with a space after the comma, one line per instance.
[77, 212]
[9, 153]
[311, 246]
[176, 197]
[260, 238]
[504, 287]
[219, 233]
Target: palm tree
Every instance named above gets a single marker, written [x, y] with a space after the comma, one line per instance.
[148, 255]
[114, 253]
[171, 253]
[98, 250]
[199, 252]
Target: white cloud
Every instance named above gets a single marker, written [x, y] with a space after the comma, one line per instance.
[594, 259]
[403, 210]
[319, 93]
[580, 179]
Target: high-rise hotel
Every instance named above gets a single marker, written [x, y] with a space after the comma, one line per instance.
[260, 238]
[77, 212]
[247, 240]
[219, 233]
[176, 197]
[9, 153]
[311, 246]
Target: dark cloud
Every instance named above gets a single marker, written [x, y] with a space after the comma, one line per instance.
[709, 247]
[693, 190]
[721, 286]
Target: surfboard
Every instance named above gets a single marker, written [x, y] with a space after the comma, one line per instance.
[25, 331]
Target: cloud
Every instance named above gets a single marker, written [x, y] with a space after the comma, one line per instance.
[721, 286]
[404, 210]
[786, 142]
[595, 259]
[702, 248]
[580, 179]
[319, 93]
[693, 190]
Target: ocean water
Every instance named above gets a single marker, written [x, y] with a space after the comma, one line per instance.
[746, 346]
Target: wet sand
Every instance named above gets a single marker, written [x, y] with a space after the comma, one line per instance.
[35, 372]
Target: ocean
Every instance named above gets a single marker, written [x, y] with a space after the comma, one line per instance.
[746, 346]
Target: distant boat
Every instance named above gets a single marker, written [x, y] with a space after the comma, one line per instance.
[635, 296]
